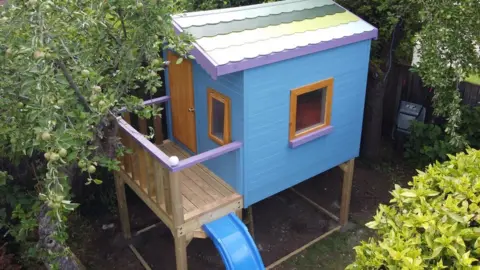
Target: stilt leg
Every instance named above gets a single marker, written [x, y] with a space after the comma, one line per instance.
[122, 207]
[250, 222]
[181, 252]
[347, 168]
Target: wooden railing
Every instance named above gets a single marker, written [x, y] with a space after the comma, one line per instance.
[150, 173]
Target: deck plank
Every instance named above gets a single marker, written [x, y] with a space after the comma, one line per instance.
[195, 187]
[199, 169]
[212, 192]
[187, 205]
[202, 190]
[191, 196]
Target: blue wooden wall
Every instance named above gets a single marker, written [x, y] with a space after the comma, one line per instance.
[229, 166]
[270, 165]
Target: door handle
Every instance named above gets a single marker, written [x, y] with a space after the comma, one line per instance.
[191, 109]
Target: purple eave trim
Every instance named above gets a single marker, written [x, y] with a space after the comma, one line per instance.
[146, 144]
[297, 52]
[201, 56]
[310, 137]
[211, 154]
[149, 102]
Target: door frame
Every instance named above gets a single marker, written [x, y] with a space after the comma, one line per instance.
[169, 111]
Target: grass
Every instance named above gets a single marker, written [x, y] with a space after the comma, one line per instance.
[475, 79]
[333, 253]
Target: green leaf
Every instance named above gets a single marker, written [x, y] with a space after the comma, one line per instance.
[409, 194]
[179, 61]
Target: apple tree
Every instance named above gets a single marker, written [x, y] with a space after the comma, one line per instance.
[66, 68]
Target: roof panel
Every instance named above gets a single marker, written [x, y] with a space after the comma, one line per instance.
[211, 30]
[234, 39]
[250, 36]
[228, 15]
[282, 43]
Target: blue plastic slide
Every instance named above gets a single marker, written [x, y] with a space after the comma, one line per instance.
[236, 246]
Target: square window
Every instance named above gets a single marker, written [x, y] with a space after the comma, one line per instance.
[218, 117]
[310, 108]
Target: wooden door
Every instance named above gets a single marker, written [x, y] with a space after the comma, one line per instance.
[182, 102]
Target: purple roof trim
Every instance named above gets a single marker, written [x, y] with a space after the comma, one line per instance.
[200, 55]
[210, 154]
[299, 51]
[310, 137]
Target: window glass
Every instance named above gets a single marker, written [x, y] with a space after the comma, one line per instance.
[310, 110]
[218, 118]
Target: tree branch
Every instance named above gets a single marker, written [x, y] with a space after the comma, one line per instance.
[74, 86]
[123, 23]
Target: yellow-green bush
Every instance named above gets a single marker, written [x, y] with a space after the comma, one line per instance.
[434, 224]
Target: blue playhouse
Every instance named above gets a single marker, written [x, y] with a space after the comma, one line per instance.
[274, 96]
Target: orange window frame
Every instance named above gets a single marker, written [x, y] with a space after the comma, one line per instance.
[328, 84]
[212, 94]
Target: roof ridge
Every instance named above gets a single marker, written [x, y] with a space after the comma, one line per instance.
[330, 11]
[233, 9]
[189, 21]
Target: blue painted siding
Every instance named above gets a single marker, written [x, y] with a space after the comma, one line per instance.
[229, 166]
[270, 166]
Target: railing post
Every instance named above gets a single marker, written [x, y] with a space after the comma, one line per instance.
[178, 220]
[176, 197]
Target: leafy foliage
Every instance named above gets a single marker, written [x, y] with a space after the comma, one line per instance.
[433, 224]
[67, 67]
[428, 143]
[448, 48]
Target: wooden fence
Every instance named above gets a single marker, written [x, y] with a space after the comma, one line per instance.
[406, 85]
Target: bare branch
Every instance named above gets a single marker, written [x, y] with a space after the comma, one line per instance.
[74, 86]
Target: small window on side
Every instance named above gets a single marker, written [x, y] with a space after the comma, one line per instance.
[218, 117]
[310, 108]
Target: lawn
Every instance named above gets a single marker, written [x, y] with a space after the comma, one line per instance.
[475, 79]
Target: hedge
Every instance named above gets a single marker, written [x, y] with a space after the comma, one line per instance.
[434, 224]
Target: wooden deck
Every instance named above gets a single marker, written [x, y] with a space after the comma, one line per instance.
[184, 200]
[183, 196]
[201, 189]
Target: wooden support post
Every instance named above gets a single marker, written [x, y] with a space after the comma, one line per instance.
[181, 252]
[122, 207]
[178, 220]
[251, 229]
[347, 168]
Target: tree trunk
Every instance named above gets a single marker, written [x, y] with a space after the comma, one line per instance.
[46, 228]
[373, 117]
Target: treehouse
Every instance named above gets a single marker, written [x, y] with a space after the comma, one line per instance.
[274, 96]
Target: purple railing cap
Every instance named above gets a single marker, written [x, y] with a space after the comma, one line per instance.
[149, 102]
[145, 143]
[211, 154]
[164, 159]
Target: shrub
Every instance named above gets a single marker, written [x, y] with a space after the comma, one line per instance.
[428, 143]
[434, 224]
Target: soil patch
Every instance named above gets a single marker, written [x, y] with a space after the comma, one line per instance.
[283, 223]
